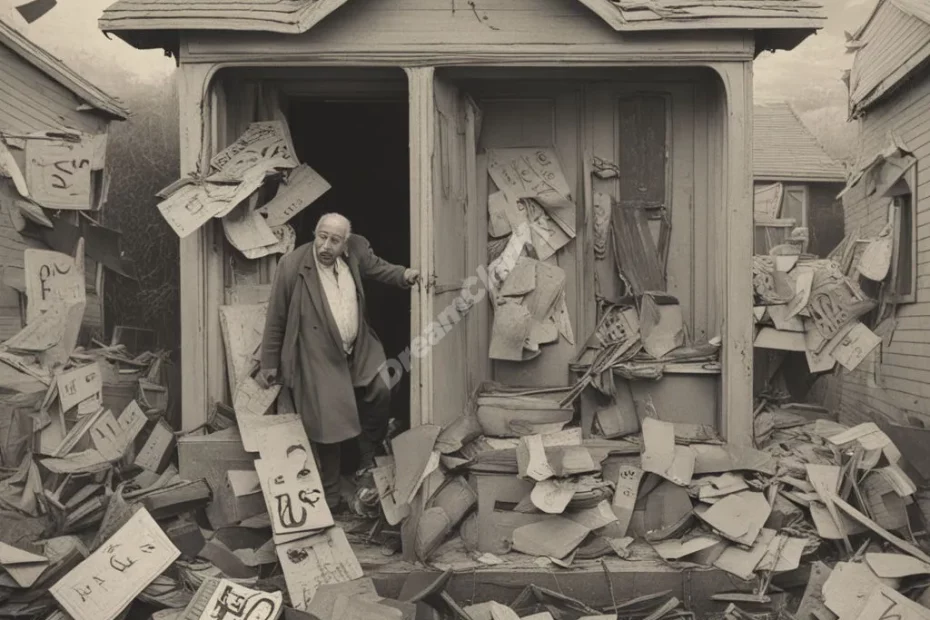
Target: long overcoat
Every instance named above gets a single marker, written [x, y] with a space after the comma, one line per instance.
[302, 342]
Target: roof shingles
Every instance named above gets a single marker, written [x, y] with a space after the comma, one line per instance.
[297, 16]
[785, 150]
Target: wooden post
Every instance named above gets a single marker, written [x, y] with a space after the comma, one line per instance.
[735, 258]
[199, 307]
[420, 82]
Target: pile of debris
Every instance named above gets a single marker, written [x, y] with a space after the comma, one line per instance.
[813, 306]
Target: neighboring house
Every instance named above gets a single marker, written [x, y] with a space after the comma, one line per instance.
[785, 151]
[889, 96]
[395, 103]
[41, 99]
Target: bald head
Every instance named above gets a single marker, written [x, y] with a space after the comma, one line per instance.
[332, 234]
[335, 221]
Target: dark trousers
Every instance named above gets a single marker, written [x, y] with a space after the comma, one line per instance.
[374, 409]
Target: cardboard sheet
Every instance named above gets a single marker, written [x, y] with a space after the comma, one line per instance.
[662, 456]
[234, 601]
[79, 384]
[311, 562]
[101, 586]
[246, 229]
[59, 173]
[301, 189]
[52, 278]
[293, 490]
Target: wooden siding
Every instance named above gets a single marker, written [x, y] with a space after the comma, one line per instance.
[897, 377]
[30, 101]
[895, 43]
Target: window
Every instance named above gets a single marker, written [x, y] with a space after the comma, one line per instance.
[902, 285]
[794, 204]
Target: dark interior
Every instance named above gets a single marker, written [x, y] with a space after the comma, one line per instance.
[361, 149]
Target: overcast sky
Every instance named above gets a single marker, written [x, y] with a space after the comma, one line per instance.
[806, 76]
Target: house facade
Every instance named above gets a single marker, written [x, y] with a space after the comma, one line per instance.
[889, 98]
[397, 104]
[784, 151]
[42, 99]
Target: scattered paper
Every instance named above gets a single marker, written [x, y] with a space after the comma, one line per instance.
[86, 462]
[263, 147]
[896, 565]
[246, 229]
[552, 496]
[509, 332]
[553, 537]
[625, 494]
[498, 223]
[101, 586]
[738, 517]
[59, 173]
[531, 459]
[79, 384]
[293, 490]
[152, 456]
[311, 562]
[534, 173]
[855, 346]
[234, 601]
[677, 549]
[24, 567]
[303, 186]
[286, 241]
[52, 278]
[662, 456]
[394, 511]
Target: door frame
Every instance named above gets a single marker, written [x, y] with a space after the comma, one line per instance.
[201, 282]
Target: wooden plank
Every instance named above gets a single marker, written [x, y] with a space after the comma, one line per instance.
[199, 356]
[735, 229]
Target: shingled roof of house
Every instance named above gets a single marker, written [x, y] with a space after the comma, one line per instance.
[784, 149]
[298, 16]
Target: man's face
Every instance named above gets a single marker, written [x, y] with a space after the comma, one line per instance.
[330, 242]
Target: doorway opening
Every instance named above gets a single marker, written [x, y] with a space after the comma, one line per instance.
[361, 147]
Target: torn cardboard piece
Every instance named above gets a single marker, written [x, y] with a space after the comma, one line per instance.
[106, 582]
[311, 562]
[662, 456]
[301, 188]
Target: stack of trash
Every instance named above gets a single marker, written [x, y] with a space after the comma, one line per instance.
[817, 306]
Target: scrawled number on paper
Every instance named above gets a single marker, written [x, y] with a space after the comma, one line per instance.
[117, 564]
[67, 168]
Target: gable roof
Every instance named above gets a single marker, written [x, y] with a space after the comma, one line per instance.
[140, 21]
[785, 150]
[890, 46]
[61, 73]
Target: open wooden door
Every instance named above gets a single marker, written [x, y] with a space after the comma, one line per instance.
[451, 333]
[446, 227]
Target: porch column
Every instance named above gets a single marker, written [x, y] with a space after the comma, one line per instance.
[201, 343]
[734, 272]
[420, 84]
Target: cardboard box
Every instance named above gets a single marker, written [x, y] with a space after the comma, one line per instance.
[498, 495]
[211, 456]
[239, 498]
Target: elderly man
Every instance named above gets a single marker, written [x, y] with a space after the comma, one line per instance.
[317, 342]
